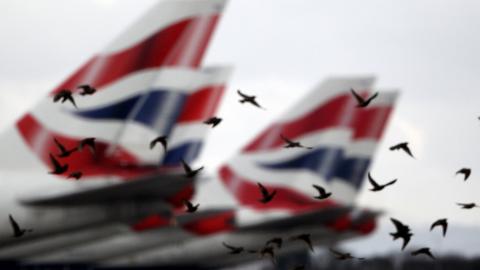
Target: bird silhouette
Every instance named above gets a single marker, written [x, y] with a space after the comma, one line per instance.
[64, 95]
[305, 237]
[63, 150]
[77, 175]
[403, 231]
[276, 240]
[266, 195]
[86, 89]
[293, 144]
[233, 249]
[402, 146]
[376, 186]
[322, 194]
[214, 121]
[162, 140]
[17, 231]
[249, 99]
[362, 103]
[467, 205]
[442, 223]
[189, 172]
[190, 207]
[87, 142]
[57, 167]
[466, 173]
[424, 251]
[343, 256]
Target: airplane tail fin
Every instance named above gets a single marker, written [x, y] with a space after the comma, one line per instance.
[148, 83]
[343, 138]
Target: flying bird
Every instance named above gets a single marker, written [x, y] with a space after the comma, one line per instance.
[402, 146]
[77, 175]
[250, 99]
[293, 144]
[57, 167]
[362, 103]
[63, 150]
[467, 205]
[189, 171]
[305, 238]
[214, 121]
[162, 140]
[466, 173]
[87, 142]
[322, 194]
[424, 251]
[403, 231]
[376, 186]
[343, 256]
[442, 223]
[190, 207]
[86, 89]
[277, 241]
[233, 249]
[17, 231]
[266, 195]
[64, 95]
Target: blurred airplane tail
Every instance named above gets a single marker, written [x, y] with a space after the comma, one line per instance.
[343, 140]
[148, 83]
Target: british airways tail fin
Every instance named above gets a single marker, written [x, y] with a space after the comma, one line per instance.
[342, 138]
[148, 83]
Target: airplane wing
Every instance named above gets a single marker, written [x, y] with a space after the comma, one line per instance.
[323, 216]
[154, 187]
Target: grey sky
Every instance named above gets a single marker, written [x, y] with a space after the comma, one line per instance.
[280, 49]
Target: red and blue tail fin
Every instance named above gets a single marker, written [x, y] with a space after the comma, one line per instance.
[148, 83]
[343, 138]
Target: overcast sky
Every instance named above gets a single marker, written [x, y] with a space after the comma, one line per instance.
[280, 49]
